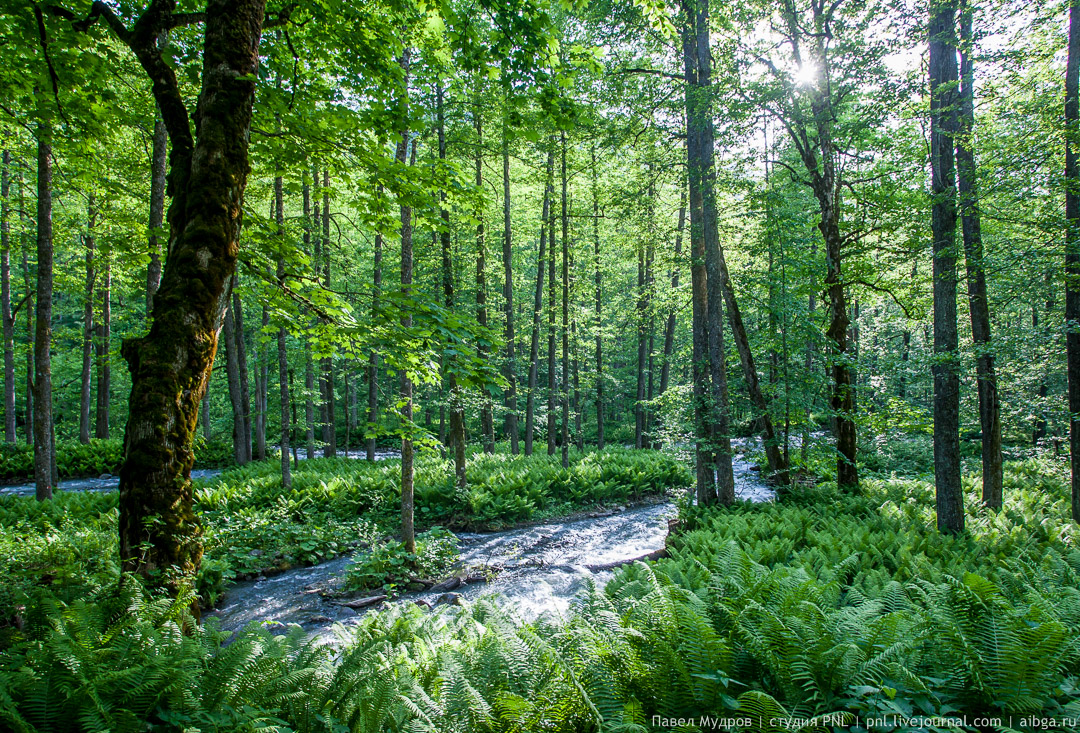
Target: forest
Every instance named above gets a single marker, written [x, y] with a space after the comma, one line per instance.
[540, 365]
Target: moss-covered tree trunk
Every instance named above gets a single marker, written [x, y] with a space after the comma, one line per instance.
[170, 366]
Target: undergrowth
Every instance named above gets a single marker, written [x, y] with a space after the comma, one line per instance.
[82, 460]
[796, 615]
[67, 547]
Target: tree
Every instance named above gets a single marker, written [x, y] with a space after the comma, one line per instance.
[943, 132]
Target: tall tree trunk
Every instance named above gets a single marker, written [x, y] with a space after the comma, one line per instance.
[309, 367]
[538, 305]
[979, 304]
[330, 426]
[157, 209]
[170, 366]
[669, 324]
[564, 382]
[702, 175]
[282, 354]
[946, 368]
[373, 357]
[1072, 245]
[104, 356]
[408, 537]
[28, 283]
[641, 321]
[457, 410]
[508, 298]
[43, 417]
[236, 396]
[237, 310]
[552, 328]
[88, 324]
[5, 299]
[487, 421]
[597, 278]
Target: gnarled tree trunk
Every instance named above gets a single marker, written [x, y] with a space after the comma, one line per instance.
[170, 366]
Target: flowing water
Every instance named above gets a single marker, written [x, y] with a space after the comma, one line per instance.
[536, 569]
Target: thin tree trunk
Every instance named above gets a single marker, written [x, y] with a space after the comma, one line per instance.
[487, 421]
[669, 325]
[979, 304]
[373, 358]
[457, 410]
[204, 414]
[28, 282]
[552, 328]
[242, 363]
[508, 298]
[641, 319]
[5, 300]
[1072, 245]
[43, 428]
[597, 278]
[309, 368]
[232, 372]
[88, 324]
[330, 426]
[564, 382]
[943, 129]
[282, 354]
[408, 537]
[104, 360]
[538, 305]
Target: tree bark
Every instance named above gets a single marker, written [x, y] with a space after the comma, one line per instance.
[538, 305]
[88, 324]
[978, 301]
[170, 366]
[946, 368]
[1072, 246]
[508, 299]
[641, 323]
[5, 299]
[262, 386]
[43, 417]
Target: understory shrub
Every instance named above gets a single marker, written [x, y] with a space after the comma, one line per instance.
[83, 460]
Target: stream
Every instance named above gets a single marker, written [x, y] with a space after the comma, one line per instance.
[540, 568]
